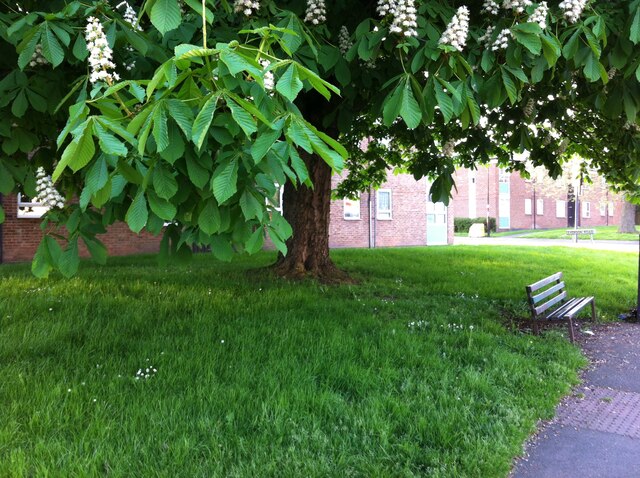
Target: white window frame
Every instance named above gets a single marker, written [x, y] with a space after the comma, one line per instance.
[539, 207]
[528, 204]
[561, 208]
[586, 209]
[603, 209]
[611, 208]
[381, 214]
[29, 209]
[344, 209]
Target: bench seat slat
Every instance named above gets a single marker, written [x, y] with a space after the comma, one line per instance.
[580, 304]
[541, 283]
[547, 293]
[559, 298]
[560, 312]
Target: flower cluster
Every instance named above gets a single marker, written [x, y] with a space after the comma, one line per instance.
[564, 144]
[130, 16]
[502, 41]
[100, 53]
[269, 82]
[539, 15]
[457, 30]
[344, 40]
[146, 373]
[486, 38]
[456, 327]
[316, 12]
[48, 196]
[529, 108]
[386, 7]
[613, 71]
[405, 20]
[248, 7]
[37, 58]
[632, 127]
[449, 148]
[572, 9]
[490, 7]
[518, 6]
[418, 325]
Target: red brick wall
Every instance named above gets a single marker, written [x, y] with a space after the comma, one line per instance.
[484, 175]
[21, 237]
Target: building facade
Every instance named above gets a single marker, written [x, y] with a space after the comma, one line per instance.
[540, 203]
[397, 214]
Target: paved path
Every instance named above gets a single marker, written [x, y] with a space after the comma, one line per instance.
[621, 246]
[596, 430]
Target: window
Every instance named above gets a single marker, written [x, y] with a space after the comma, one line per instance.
[586, 209]
[603, 209]
[351, 208]
[539, 207]
[610, 208]
[527, 206]
[561, 209]
[383, 204]
[28, 208]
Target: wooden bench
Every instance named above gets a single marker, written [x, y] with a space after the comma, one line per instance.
[578, 232]
[548, 300]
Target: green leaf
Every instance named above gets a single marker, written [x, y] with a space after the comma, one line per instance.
[221, 248]
[255, 242]
[298, 165]
[209, 218]
[224, 180]
[161, 207]
[634, 31]
[474, 109]
[70, 259]
[242, 118]
[182, 115]
[409, 108]
[28, 48]
[392, 105]
[84, 151]
[237, 63]
[109, 144]
[571, 47]
[137, 214]
[509, 85]
[6, 180]
[20, 105]
[263, 142]
[97, 249]
[529, 36]
[250, 206]
[203, 121]
[592, 68]
[551, 49]
[98, 175]
[42, 262]
[51, 48]
[444, 102]
[2, 215]
[160, 130]
[198, 174]
[165, 15]
[289, 84]
[164, 183]
[80, 48]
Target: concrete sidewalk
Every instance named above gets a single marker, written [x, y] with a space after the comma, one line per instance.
[596, 430]
[620, 246]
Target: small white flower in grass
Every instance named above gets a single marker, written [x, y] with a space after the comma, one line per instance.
[222, 341]
[344, 40]
[490, 7]
[539, 15]
[457, 30]
[100, 53]
[316, 12]
[95, 400]
[572, 9]
[69, 390]
[248, 7]
[47, 194]
[502, 42]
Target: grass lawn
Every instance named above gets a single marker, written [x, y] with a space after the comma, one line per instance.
[609, 233]
[410, 373]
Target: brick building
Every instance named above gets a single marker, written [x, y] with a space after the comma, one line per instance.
[398, 214]
[541, 203]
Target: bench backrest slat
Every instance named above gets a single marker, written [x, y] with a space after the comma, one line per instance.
[559, 298]
[541, 283]
[550, 291]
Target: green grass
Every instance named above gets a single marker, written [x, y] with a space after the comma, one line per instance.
[263, 377]
[609, 233]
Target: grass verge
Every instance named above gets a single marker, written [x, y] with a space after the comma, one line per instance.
[410, 373]
[603, 233]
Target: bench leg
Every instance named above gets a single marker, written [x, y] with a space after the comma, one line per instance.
[572, 336]
[535, 326]
[593, 311]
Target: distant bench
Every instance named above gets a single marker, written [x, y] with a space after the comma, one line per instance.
[548, 300]
[578, 232]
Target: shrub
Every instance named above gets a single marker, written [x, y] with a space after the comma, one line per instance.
[462, 224]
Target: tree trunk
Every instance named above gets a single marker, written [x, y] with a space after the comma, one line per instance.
[628, 219]
[307, 210]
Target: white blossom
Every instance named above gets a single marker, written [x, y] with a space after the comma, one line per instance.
[613, 71]
[490, 7]
[405, 20]
[248, 7]
[486, 38]
[316, 12]
[539, 15]
[344, 40]
[457, 30]
[449, 148]
[529, 108]
[268, 78]
[502, 41]
[386, 7]
[130, 16]
[518, 6]
[48, 196]
[572, 9]
[37, 58]
[100, 53]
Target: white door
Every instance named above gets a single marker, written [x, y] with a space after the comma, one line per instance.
[436, 223]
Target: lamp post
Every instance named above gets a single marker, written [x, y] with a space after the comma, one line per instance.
[488, 188]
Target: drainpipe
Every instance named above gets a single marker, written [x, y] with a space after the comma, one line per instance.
[1, 237]
[372, 222]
